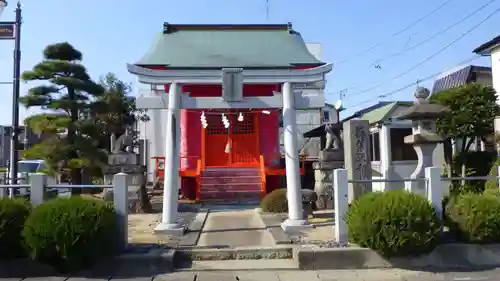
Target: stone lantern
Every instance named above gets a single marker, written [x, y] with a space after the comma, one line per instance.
[424, 138]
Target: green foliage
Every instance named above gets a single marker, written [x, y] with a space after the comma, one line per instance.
[477, 164]
[393, 223]
[66, 92]
[275, 202]
[473, 109]
[13, 214]
[475, 217]
[71, 233]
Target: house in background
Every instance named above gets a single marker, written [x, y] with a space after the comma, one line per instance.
[27, 139]
[462, 76]
[391, 157]
[492, 49]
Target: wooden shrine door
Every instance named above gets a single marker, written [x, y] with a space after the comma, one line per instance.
[237, 146]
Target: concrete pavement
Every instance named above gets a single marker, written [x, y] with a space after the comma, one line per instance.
[324, 275]
[235, 228]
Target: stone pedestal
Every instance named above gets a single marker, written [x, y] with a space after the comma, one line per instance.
[323, 182]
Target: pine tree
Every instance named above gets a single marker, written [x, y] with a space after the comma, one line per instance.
[65, 97]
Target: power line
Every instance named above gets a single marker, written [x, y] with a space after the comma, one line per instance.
[429, 57]
[416, 83]
[412, 24]
[433, 36]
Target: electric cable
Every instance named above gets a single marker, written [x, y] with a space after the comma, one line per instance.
[433, 36]
[392, 92]
[433, 55]
[412, 24]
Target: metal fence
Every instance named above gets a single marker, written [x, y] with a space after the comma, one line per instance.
[38, 188]
[433, 191]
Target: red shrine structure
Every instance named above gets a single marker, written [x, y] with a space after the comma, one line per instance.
[230, 82]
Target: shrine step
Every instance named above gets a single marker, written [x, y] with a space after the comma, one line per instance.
[231, 172]
[231, 180]
[242, 195]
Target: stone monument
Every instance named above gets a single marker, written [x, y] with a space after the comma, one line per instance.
[424, 138]
[330, 157]
[122, 159]
[357, 158]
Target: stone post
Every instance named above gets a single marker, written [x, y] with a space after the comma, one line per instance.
[357, 158]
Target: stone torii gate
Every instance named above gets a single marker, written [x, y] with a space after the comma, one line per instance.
[294, 95]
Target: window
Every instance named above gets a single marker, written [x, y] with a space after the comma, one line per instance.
[375, 146]
[326, 116]
[27, 167]
[400, 151]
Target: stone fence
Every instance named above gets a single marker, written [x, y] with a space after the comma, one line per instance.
[38, 187]
[433, 192]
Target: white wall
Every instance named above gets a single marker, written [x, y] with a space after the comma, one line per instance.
[495, 68]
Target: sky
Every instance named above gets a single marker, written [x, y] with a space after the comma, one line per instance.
[112, 33]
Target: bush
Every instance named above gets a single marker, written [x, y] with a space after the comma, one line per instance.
[13, 214]
[71, 233]
[477, 164]
[393, 223]
[275, 202]
[475, 218]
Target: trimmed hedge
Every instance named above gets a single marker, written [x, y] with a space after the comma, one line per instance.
[393, 223]
[275, 202]
[71, 233]
[475, 218]
[13, 214]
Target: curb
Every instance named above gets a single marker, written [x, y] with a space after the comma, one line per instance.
[240, 253]
[158, 261]
[443, 257]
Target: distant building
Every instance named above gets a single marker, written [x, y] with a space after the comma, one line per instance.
[5, 132]
[462, 76]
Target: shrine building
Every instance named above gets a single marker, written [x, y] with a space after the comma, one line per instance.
[221, 92]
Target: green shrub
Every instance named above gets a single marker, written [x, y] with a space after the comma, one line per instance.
[275, 202]
[71, 233]
[393, 223]
[13, 214]
[475, 218]
[477, 164]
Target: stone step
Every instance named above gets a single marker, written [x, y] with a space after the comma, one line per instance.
[232, 186]
[231, 172]
[231, 180]
[241, 265]
[230, 195]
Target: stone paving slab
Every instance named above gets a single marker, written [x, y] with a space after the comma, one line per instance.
[324, 275]
[234, 229]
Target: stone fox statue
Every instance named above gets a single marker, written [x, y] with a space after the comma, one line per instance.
[333, 140]
[124, 142]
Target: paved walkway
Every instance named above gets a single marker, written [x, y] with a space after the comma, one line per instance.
[234, 228]
[326, 275]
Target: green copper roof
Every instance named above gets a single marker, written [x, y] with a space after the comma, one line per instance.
[381, 113]
[205, 46]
